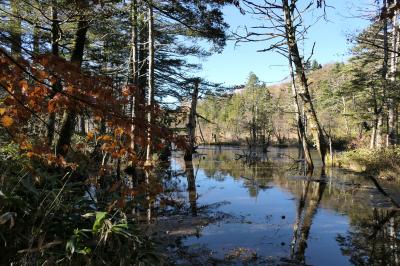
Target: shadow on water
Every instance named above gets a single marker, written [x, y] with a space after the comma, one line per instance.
[279, 213]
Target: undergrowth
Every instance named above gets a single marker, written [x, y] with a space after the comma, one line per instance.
[380, 162]
[46, 219]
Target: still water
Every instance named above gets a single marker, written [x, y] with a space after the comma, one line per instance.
[276, 211]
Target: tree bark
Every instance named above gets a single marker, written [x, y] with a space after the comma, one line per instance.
[191, 125]
[133, 67]
[191, 180]
[379, 127]
[300, 125]
[140, 101]
[36, 40]
[384, 77]
[57, 86]
[150, 99]
[16, 30]
[294, 53]
[346, 120]
[392, 129]
[69, 117]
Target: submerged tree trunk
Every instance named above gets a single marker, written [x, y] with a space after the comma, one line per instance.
[191, 125]
[69, 117]
[294, 54]
[299, 121]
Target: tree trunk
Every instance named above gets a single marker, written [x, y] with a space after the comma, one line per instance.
[346, 120]
[16, 30]
[374, 134]
[133, 67]
[254, 126]
[300, 126]
[191, 180]
[379, 140]
[69, 118]
[57, 86]
[82, 124]
[36, 40]
[191, 125]
[294, 53]
[384, 75]
[140, 94]
[392, 133]
[150, 99]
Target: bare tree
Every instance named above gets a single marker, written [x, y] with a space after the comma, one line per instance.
[191, 125]
[283, 32]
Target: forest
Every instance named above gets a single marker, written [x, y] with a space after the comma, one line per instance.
[114, 150]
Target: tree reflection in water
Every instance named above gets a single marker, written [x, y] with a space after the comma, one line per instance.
[191, 181]
[359, 230]
[374, 238]
[307, 207]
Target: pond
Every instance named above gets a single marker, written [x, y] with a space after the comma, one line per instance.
[275, 212]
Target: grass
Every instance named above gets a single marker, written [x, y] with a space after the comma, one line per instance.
[383, 163]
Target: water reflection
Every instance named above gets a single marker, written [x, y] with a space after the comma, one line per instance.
[372, 239]
[191, 181]
[307, 207]
[279, 210]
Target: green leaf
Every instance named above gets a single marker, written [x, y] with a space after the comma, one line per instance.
[100, 216]
[85, 251]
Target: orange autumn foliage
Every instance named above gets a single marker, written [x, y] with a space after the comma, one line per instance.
[48, 84]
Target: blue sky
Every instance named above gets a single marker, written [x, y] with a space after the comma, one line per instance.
[233, 65]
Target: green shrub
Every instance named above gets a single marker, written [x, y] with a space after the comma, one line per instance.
[372, 161]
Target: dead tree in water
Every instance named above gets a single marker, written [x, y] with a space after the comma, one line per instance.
[285, 32]
[294, 54]
[299, 120]
[191, 125]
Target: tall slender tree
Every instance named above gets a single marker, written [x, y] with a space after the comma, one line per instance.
[69, 117]
[286, 18]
